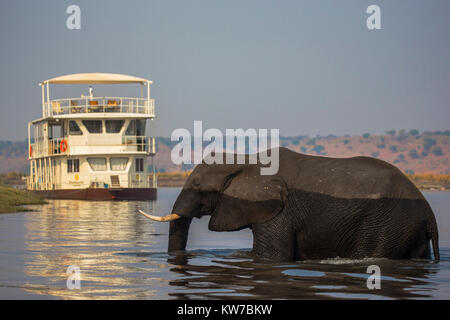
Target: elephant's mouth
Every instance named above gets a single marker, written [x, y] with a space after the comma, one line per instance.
[205, 213]
[209, 205]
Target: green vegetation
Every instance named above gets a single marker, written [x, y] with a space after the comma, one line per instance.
[11, 178]
[11, 199]
[413, 154]
[187, 167]
[393, 148]
[400, 158]
[402, 136]
[318, 149]
[428, 143]
[437, 151]
[430, 181]
[391, 132]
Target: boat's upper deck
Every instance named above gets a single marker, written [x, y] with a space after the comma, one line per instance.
[89, 106]
[96, 106]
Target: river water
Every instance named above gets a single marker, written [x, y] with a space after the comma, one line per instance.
[122, 255]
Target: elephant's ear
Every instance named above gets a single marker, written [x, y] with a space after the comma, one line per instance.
[248, 197]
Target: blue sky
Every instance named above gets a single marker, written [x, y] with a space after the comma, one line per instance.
[305, 67]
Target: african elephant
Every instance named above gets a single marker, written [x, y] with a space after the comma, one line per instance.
[313, 208]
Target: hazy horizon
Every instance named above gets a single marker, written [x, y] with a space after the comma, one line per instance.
[307, 68]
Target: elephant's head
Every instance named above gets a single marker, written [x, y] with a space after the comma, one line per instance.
[235, 196]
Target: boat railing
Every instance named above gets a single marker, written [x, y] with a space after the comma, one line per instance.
[61, 146]
[48, 147]
[68, 106]
[140, 143]
[57, 146]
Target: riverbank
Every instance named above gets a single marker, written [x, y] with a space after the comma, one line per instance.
[12, 199]
[430, 181]
[172, 179]
[425, 181]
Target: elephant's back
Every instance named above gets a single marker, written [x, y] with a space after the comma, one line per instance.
[348, 178]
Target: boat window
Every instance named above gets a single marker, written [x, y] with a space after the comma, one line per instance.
[139, 165]
[97, 164]
[140, 127]
[93, 126]
[74, 129]
[118, 164]
[73, 165]
[113, 126]
[131, 130]
[55, 131]
[136, 127]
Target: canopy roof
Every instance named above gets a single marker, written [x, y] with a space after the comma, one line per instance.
[96, 78]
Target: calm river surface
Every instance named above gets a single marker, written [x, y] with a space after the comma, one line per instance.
[122, 255]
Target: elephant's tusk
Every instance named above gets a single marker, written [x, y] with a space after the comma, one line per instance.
[169, 217]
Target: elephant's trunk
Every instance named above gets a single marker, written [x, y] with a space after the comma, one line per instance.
[178, 234]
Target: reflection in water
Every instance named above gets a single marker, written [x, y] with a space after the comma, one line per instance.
[88, 234]
[228, 275]
[122, 255]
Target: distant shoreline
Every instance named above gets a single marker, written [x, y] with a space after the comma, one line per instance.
[411, 151]
[172, 179]
[428, 182]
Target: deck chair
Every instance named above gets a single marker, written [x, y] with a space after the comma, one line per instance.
[93, 106]
[74, 107]
[113, 106]
[56, 107]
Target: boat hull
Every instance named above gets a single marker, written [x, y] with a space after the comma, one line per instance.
[101, 194]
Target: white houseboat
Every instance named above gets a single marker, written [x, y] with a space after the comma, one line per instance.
[93, 148]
